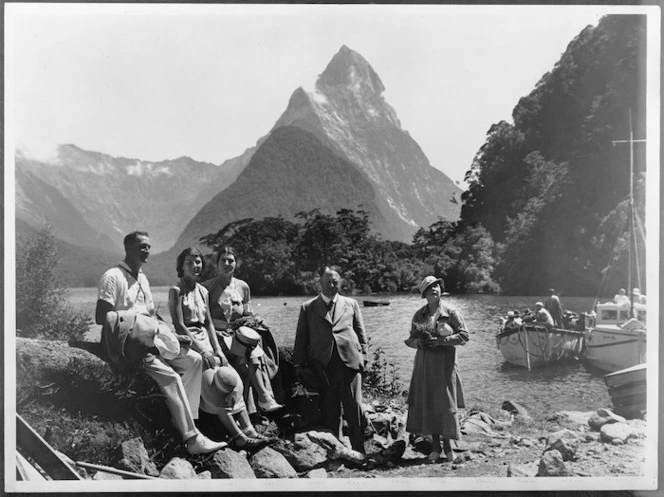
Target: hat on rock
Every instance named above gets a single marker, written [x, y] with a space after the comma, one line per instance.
[428, 281]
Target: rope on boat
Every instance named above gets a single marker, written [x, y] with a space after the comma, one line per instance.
[539, 340]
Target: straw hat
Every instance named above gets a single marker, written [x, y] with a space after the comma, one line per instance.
[428, 281]
[222, 388]
[244, 340]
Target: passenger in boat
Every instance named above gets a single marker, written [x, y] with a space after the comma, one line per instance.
[246, 341]
[542, 316]
[552, 304]
[330, 337]
[513, 320]
[222, 396]
[190, 311]
[638, 297]
[436, 392]
[621, 298]
[177, 372]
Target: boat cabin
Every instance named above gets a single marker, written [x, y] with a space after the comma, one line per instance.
[616, 314]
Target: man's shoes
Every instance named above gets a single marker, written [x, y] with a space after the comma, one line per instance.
[200, 444]
[434, 457]
[449, 456]
[270, 405]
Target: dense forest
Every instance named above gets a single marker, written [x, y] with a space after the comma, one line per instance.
[551, 188]
[547, 203]
[277, 256]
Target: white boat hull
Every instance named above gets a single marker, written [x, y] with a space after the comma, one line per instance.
[533, 346]
[628, 391]
[613, 349]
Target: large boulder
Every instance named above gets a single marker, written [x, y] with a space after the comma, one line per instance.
[564, 441]
[178, 469]
[302, 454]
[611, 432]
[227, 463]
[527, 470]
[268, 463]
[552, 464]
[43, 361]
[517, 409]
[133, 457]
[602, 417]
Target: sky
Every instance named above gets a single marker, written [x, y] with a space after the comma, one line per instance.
[156, 82]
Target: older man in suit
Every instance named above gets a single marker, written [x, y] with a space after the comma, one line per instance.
[330, 337]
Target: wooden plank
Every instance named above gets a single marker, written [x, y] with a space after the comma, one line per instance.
[26, 471]
[121, 472]
[34, 446]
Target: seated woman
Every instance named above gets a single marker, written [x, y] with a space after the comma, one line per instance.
[222, 395]
[230, 304]
[188, 305]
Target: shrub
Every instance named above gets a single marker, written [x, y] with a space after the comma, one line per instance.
[42, 310]
[380, 379]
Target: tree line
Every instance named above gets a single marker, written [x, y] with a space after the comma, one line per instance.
[278, 256]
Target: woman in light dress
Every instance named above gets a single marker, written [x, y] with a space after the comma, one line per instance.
[190, 311]
[257, 361]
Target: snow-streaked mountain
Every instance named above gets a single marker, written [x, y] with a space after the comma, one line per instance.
[290, 172]
[347, 112]
[92, 198]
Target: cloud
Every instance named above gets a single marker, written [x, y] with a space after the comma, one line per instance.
[39, 150]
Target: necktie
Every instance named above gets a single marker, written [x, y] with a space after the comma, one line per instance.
[330, 307]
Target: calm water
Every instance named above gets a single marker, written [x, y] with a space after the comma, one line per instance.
[485, 376]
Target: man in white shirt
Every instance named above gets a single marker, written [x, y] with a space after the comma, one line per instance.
[125, 287]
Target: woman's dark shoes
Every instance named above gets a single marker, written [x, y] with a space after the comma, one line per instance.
[249, 443]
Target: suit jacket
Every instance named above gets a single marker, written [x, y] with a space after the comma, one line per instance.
[317, 332]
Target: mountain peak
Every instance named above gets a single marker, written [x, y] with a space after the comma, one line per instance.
[349, 68]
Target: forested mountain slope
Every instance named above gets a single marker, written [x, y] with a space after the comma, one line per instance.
[551, 187]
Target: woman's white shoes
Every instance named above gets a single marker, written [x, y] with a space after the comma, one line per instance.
[270, 406]
[200, 444]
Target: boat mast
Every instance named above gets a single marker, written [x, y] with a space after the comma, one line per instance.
[632, 237]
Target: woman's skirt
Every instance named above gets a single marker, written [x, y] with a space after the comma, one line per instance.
[432, 397]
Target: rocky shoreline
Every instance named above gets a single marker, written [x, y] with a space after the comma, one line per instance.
[498, 441]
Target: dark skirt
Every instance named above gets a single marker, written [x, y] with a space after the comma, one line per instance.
[435, 394]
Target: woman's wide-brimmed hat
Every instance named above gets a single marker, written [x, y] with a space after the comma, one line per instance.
[222, 387]
[428, 281]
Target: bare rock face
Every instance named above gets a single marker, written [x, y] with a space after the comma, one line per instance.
[134, 457]
[227, 463]
[178, 469]
[268, 463]
[552, 464]
[347, 111]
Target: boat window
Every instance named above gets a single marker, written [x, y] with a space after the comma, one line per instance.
[641, 316]
[624, 315]
[609, 315]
